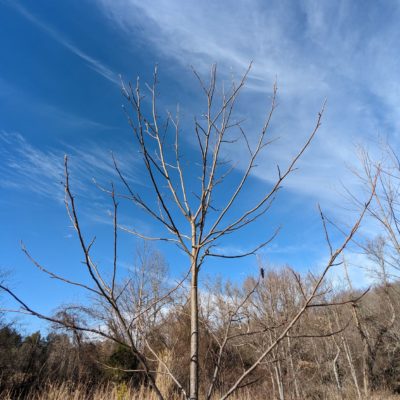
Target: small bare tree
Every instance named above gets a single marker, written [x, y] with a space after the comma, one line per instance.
[203, 224]
[192, 214]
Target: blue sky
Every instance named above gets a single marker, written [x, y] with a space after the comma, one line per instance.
[59, 94]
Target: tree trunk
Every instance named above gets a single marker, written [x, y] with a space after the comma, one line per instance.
[296, 386]
[279, 381]
[194, 332]
[349, 357]
[352, 368]
[335, 366]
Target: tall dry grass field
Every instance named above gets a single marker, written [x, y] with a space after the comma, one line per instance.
[66, 391]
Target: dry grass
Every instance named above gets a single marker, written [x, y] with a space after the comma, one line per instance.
[67, 391]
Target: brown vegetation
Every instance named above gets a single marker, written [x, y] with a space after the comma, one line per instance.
[323, 357]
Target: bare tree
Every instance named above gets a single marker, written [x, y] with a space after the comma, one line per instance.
[384, 249]
[204, 224]
[193, 216]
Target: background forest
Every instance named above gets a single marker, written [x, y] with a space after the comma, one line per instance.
[336, 352]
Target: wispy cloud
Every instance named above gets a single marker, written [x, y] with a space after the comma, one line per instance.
[96, 65]
[200, 33]
[318, 50]
[27, 168]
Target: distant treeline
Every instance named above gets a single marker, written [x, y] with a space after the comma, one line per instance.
[27, 363]
[344, 349]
